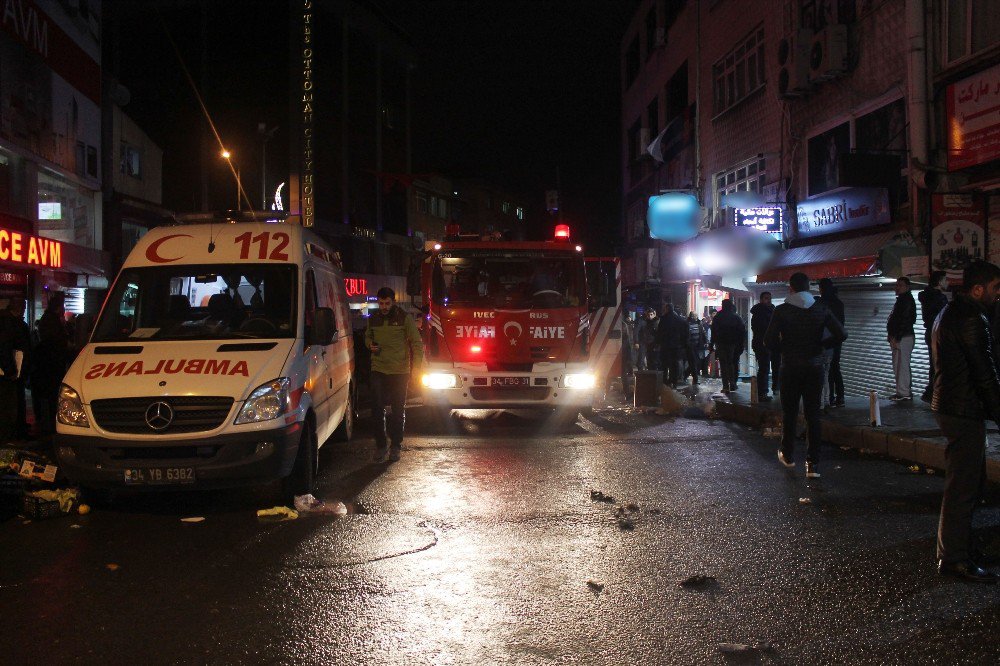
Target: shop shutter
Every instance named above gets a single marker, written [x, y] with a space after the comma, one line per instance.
[866, 360]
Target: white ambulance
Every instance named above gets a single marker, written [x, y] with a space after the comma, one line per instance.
[223, 356]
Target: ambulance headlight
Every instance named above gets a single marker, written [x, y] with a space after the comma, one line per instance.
[582, 380]
[70, 409]
[268, 401]
[439, 380]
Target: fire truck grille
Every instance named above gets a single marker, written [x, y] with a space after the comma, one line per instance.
[508, 367]
[190, 414]
[498, 393]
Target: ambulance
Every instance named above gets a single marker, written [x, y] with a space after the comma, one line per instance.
[223, 356]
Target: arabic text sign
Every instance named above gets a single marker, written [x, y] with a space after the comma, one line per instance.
[973, 117]
[767, 220]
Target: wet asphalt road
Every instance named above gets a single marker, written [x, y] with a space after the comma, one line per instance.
[478, 546]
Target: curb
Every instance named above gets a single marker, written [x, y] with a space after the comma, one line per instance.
[926, 452]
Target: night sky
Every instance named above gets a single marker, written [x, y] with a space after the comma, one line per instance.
[503, 90]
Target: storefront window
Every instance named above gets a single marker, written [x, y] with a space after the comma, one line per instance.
[66, 211]
[11, 184]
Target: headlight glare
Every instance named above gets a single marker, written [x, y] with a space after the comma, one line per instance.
[70, 409]
[582, 380]
[268, 401]
[439, 380]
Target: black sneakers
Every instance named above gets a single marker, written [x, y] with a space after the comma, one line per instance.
[967, 571]
[394, 454]
[786, 461]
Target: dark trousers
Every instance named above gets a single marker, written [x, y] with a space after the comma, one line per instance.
[670, 363]
[8, 410]
[389, 390]
[728, 363]
[653, 357]
[929, 391]
[965, 469]
[768, 365]
[693, 365]
[803, 380]
[836, 378]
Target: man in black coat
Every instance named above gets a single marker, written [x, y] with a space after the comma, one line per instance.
[797, 331]
[729, 335]
[966, 393]
[932, 301]
[697, 343]
[672, 336]
[828, 296]
[900, 330]
[768, 362]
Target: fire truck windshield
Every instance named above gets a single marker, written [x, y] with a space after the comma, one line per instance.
[509, 279]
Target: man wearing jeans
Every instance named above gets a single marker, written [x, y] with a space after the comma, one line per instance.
[900, 330]
[396, 350]
[966, 393]
[797, 331]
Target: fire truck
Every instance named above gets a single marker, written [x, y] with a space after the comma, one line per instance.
[517, 324]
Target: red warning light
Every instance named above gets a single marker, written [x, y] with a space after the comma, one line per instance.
[562, 232]
[475, 349]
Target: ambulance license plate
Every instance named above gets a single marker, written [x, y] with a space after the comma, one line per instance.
[507, 382]
[159, 475]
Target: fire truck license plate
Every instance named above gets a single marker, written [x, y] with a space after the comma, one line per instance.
[507, 382]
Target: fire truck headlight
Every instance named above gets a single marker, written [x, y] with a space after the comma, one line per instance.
[583, 380]
[439, 380]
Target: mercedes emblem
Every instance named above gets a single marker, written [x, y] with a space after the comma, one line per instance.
[159, 415]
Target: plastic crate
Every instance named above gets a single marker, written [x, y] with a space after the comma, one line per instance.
[37, 508]
[11, 484]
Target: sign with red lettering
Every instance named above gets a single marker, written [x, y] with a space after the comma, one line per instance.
[356, 286]
[197, 366]
[21, 248]
[971, 112]
[958, 232]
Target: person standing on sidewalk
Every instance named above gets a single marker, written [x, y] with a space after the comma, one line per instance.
[900, 330]
[697, 347]
[397, 350]
[768, 363]
[672, 336]
[729, 335]
[932, 301]
[652, 351]
[797, 331]
[834, 383]
[12, 323]
[966, 393]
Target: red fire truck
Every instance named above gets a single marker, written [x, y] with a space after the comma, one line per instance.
[511, 324]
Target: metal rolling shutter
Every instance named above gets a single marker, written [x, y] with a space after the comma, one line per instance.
[866, 360]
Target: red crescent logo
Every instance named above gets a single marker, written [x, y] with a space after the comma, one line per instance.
[152, 252]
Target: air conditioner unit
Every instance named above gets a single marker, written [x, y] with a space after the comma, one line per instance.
[793, 63]
[828, 55]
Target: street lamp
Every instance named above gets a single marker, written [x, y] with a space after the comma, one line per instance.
[226, 155]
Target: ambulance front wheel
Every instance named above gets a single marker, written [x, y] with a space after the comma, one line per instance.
[302, 480]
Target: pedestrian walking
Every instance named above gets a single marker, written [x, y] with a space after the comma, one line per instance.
[729, 335]
[12, 323]
[649, 340]
[966, 393]
[14, 344]
[51, 358]
[708, 363]
[697, 348]
[932, 301]
[900, 330]
[397, 350]
[833, 394]
[797, 332]
[672, 334]
[768, 361]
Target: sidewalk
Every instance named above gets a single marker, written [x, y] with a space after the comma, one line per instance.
[908, 431]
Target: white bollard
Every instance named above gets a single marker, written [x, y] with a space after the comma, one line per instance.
[753, 390]
[874, 413]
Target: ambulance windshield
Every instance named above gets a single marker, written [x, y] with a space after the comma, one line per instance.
[200, 303]
[509, 279]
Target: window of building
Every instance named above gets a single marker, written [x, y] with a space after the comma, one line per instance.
[520, 213]
[489, 203]
[69, 210]
[676, 93]
[505, 207]
[653, 117]
[972, 26]
[130, 161]
[633, 140]
[421, 203]
[748, 176]
[636, 221]
[740, 72]
[439, 207]
[650, 32]
[632, 62]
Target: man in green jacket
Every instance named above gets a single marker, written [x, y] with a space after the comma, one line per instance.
[397, 350]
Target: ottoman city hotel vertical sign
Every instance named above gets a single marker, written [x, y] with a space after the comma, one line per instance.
[307, 184]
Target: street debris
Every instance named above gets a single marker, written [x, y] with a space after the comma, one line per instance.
[309, 504]
[111, 566]
[655, 512]
[698, 580]
[744, 650]
[805, 500]
[83, 509]
[672, 402]
[193, 519]
[626, 524]
[914, 468]
[599, 496]
[930, 470]
[632, 507]
[595, 587]
[278, 513]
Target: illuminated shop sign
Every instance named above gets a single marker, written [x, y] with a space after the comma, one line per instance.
[848, 209]
[767, 220]
[308, 191]
[356, 286]
[21, 248]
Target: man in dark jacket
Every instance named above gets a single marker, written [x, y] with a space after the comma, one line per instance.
[900, 330]
[672, 336]
[797, 331]
[966, 393]
[697, 344]
[768, 363]
[729, 335]
[932, 301]
[835, 379]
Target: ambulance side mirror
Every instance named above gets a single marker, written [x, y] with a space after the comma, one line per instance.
[324, 327]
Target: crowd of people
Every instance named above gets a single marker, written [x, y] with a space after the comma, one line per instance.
[32, 360]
